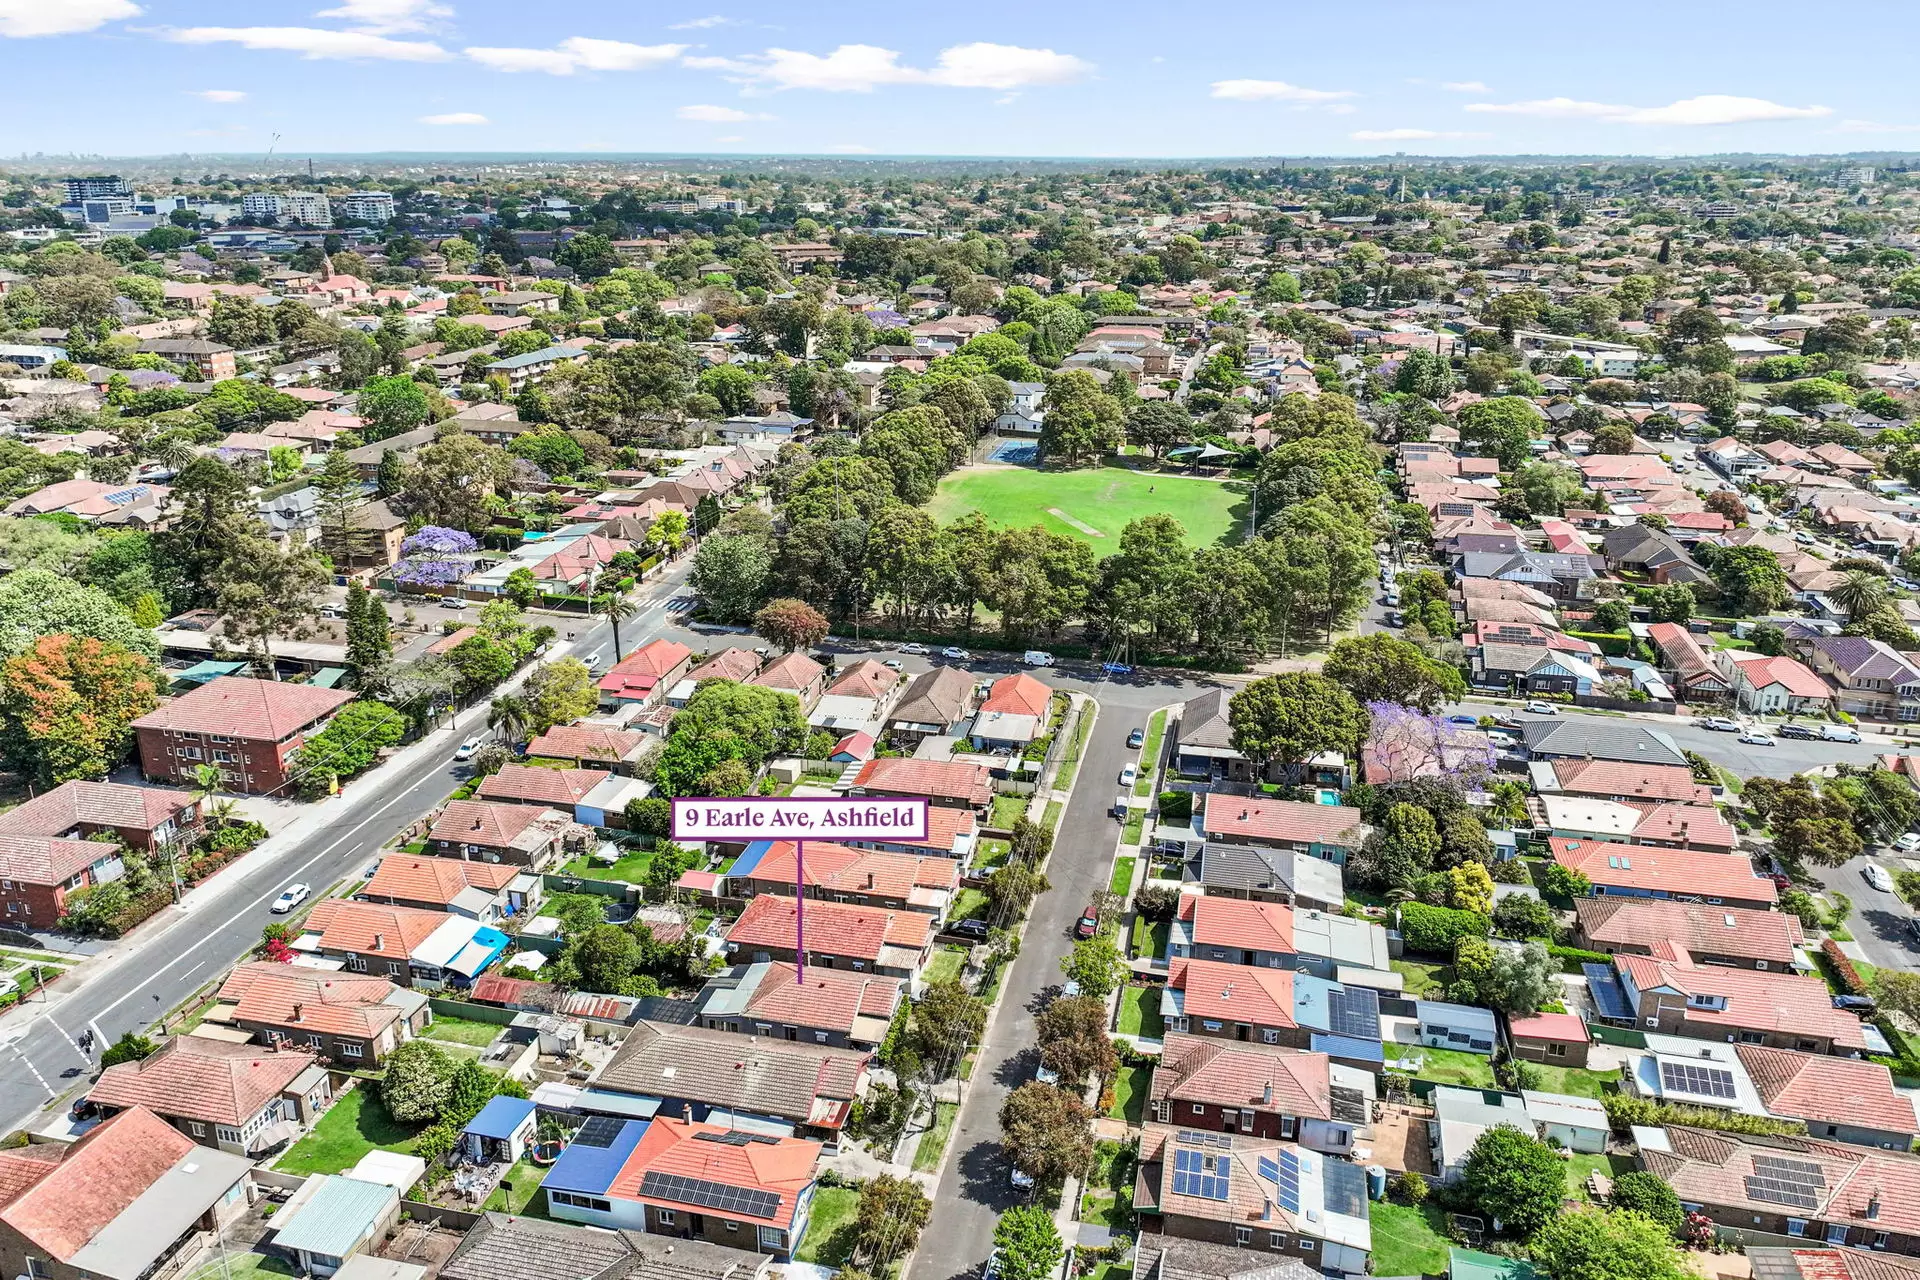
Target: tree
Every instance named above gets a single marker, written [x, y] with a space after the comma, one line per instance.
[1549, 487]
[616, 607]
[1514, 1177]
[349, 744]
[1096, 964]
[1614, 438]
[418, 1079]
[887, 1225]
[1607, 1244]
[1425, 374]
[1503, 427]
[1158, 425]
[1520, 916]
[603, 958]
[554, 452]
[723, 721]
[452, 481]
[1290, 718]
[1859, 592]
[1011, 888]
[67, 706]
[791, 624]
[1470, 888]
[1648, 1195]
[392, 406]
[558, 692]
[946, 1023]
[1378, 667]
[1750, 579]
[1072, 1032]
[36, 603]
[130, 1047]
[1611, 617]
[1727, 503]
[522, 587]
[1899, 990]
[1670, 603]
[730, 572]
[1521, 982]
[1048, 1132]
[1082, 421]
[1027, 1244]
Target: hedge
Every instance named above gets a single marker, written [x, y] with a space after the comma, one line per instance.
[1843, 969]
[1577, 956]
[1613, 644]
[1625, 1110]
[1435, 930]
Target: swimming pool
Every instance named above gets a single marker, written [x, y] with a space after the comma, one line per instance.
[1326, 795]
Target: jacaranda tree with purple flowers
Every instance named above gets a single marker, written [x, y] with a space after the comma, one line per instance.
[1404, 743]
[435, 557]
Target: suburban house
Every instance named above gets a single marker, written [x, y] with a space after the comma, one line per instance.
[832, 1006]
[1649, 871]
[1654, 553]
[1809, 1263]
[1328, 831]
[1845, 1099]
[130, 1198]
[1800, 1188]
[645, 675]
[514, 834]
[347, 1018]
[858, 701]
[840, 873]
[1260, 873]
[1691, 672]
[797, 674]
[1634, 822]
[1273, 1006]
[1590, 737]
[1533, 669]
[736, 664]
[1668, 992]
[946, 783]
[1736, 936]
[937, 704]
[1267, 1092]
[1775, 686]
[480, 890]
[242, 1098]
[1462, 1116]
[765, 1085]
[407, 947]
[591, 746]
[46, 851]
[1557, 1039]
[1254, 1194]
[252, 730]
[1870, 678]
[506, 1247]
[1565, 577]
[1619, 780]
[838, 936]
[531, 785]
[677, 1178]
[1201, 741]
[1163, 1257]
[91, 501]
[1268, 934]
[1013, 714]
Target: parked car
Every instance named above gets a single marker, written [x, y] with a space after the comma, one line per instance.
[1037, 658]
[1128, 776]
[894, 663]
[1137, 739]
[453, 602]
[1780, 880]
[913, 648]
[1515, 723]
[1908, 843]
[1804, 538]
[1855, 1004]
[1839, 733]
[1795, 731]
[1720, 724]
[1755, 738]
[1044, 1076]
[1116, 669]
[1541, 709]
[1876, 875]
[290, 897]
[1088, 924]
[1469, 721]
[1501, 739]
[1021, 1181]
[466, 750]
[956, 653]
[969, 928]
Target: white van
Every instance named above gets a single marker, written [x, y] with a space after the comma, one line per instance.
[1037, 658]
[1839, 733]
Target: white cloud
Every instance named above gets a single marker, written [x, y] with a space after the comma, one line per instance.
[218, 95]
[24, 19]
[702, 24]
[312, 42]
[719, 115]
[386, 17]
[1707, 109]
[1409, 135]
[1463, 86]
[861, 68]
[1275, 91]
[455, 117]
[851, 149]
[579, 53]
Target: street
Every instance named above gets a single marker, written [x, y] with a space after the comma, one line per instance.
[1881, 923]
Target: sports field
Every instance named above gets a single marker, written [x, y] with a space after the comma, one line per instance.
[1092, 505]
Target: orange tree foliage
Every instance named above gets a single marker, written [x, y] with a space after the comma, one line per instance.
[67, 706]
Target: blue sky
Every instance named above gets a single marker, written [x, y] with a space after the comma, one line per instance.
[135, 77]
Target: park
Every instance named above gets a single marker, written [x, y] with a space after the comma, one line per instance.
[1093, 504]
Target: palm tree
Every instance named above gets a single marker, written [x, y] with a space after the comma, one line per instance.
[509, 714]
[1862, 593]
[615, 608]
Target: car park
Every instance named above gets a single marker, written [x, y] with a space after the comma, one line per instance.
[1541, 709]
[1876, 875]
[1720, 724]
[290, 897]
[1795, 731]
[1128, 776]
[1137, 739]
[1755, 738]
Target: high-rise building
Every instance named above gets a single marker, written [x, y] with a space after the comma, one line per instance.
[367, 206]
[80, 190]
[309, 207]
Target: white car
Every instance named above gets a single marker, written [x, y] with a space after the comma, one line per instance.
[1720, 724]
[1755, 738]
[1876, 875]
[466, 750]
[290, 897]
[913, 648]
[1908, 843]
[956, 653]
[453, 602]
[1540, 708]
[1127, 776]
[893, 663]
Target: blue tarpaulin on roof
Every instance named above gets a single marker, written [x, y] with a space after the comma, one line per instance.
[202, 672]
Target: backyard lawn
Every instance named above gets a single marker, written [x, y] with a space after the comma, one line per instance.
[933, 1143]
[1578, 1167]
[631, 868]
[1421, 977]
[1008, 810]
[969, 903]
[945, 964]
[829, 1237]
[1444, 1066]
[461, 1030]
[235, 1265]
[1130, 1093]
[354, 1125]
[1122, 878]
[1150, 936]
[993, 853]
[1093, 504]
[525, 1198]
[1408, 1240]
[1574, 1080]
[1108, 1199]
[1140, 1012]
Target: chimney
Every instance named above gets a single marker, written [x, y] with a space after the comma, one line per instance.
[1873, 1204]
[298, 1009]
[686, 1112]
[1266, 1092]
[379, 941]
[1683, 834]
[869, 879]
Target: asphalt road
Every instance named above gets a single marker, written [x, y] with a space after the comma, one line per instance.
[1880, 922]
[184, 947]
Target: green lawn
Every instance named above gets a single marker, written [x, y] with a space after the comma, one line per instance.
[1150, 937]
[1136, 820]
[1101, 499]
[631, 869]
[1122, 878]
[992, 853]
[1130, 1093]
[945, 964]
[829, 1237]
[461, 1030]
[1140, 1012]
[352, 1126]
[1408, 1240]
[1108, 1197]
[236, 1265]
[1576, 1081]
[525, 1176]
[933, 1143]
[1578, 1167]
[968, 903]
[1008, 810]
[1150, 752]
[1052, 819]
[1422, 977]
[1447, 1066]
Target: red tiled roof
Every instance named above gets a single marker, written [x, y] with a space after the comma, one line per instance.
[1821, 1087]
[833, 928]
[1796, 678]
[728, 664]
[1018, 694]
[1756, 1000]
[252, 710]
[639, 672]
[1627, 779]
[102, 804]
[522, 783]
[1617, 921]
[1229, 1074]
[438, 879]
[836, 868]
[1234, 992]
[344, 1004]
[585, 742]
[783, 1168]
[345, 925]
[94, 1181]
[40, 860]
[865, 679]
[1226, 815]
[949, 779]
[830, 999]
[1653, 869]
[1238, 922]
[206, 1080]
[498, 826]
[789, 673]
[1549, 1026]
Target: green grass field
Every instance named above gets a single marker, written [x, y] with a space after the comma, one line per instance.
[1408, 1240]
[1102, 499]
[355, 1124]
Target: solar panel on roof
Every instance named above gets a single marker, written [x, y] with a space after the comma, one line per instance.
[710, 1195]
[1804, 1172]
[1773, 1191]
[735, 1139]
[599, 1131]
[1345, 1188]
[1705, 1082]
[1196, 1173]
[1353, 1011]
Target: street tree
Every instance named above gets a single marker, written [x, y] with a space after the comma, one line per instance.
[1096, 964]
[791, 624]
[946, 1023]
[1048, 1132]
[730, 572]
[887, 1225]
[1384, 668]
[1289, 718]
[616, 607]
[558, 692]
[1074, 1043]
[1027, 1244]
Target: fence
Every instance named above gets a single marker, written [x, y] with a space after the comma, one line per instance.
[1623, 1037]
[438, 1215]
[1665, 706]
[278, 1181]
[443, 1007]
[582, 884]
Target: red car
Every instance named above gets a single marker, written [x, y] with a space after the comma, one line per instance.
[1088, 925]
